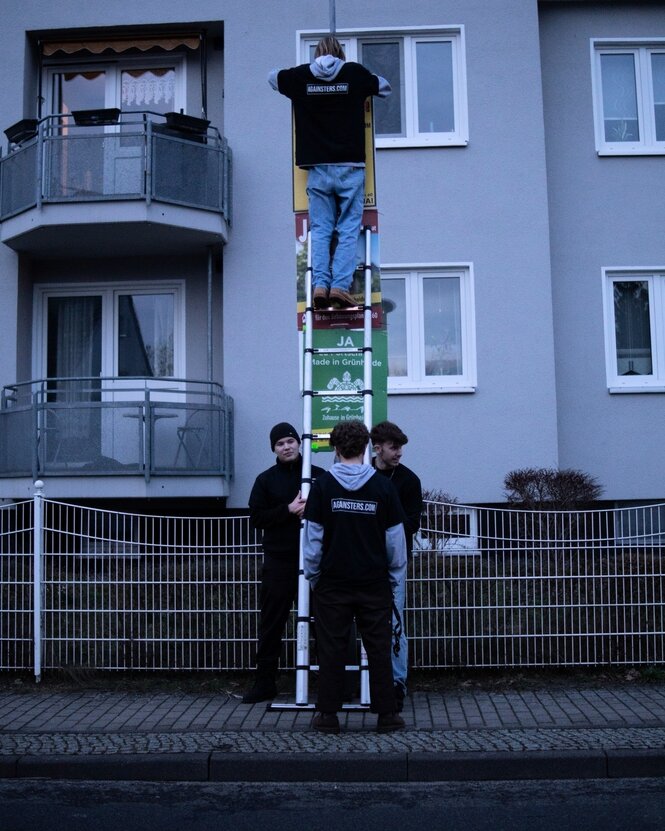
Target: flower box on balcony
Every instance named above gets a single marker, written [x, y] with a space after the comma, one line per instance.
[186, 126]
[94, 118]
[23, 130]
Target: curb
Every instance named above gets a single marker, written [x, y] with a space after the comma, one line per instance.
[309, 767]
[157, 767]
[340, 767]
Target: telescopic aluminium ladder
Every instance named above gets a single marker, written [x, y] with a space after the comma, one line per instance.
[303, 666]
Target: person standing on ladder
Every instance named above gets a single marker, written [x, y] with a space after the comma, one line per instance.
[276, 507]
[387, 443]
[328, 98]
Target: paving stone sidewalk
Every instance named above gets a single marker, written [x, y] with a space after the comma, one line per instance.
[486, 734]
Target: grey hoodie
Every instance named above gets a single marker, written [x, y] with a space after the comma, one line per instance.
[327, 68]
[352, 477]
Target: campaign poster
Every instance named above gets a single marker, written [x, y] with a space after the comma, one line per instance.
[334, 374]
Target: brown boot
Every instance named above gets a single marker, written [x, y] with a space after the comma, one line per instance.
[341, 299]
[320, 297]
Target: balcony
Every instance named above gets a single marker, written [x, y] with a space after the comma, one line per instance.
[143, 428]
[158, 184]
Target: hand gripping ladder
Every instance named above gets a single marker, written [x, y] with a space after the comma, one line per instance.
[303, 665]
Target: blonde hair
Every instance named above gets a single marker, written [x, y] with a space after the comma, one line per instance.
[329, 46]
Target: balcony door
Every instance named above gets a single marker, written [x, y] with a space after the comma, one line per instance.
[105, 351]
[114, 163]
[72, 415]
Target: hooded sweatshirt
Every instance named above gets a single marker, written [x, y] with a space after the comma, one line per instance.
[269, 501]
[328, 98]
[353, 532]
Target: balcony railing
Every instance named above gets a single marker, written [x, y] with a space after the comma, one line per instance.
[116, 426]
[144, 156]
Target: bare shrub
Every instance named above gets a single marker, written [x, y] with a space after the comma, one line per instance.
[550, 489]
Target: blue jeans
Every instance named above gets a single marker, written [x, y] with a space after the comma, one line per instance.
[336, 196]
[401, 661]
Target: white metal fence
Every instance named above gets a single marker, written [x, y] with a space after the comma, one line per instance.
[486, 588]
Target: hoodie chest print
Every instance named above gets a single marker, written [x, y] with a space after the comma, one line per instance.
[328, 89]
[354, 506]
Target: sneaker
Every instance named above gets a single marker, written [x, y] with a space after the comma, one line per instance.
[389, 722]
[400, 694]
[326, 723]
[261, 691]
[341, 299]
[320, 298]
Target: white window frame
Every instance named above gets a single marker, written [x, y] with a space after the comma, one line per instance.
[641, 49]
[655, 278]
[410, 36]
[109, 293]
[415, 381]
[114, 66]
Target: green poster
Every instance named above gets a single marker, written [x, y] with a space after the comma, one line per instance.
[345, 372]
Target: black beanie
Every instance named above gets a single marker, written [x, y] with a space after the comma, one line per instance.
[281, 431]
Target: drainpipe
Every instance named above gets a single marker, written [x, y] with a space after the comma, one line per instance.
[203, 54]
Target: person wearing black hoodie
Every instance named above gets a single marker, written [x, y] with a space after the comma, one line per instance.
[328, 98]
[276, 507]
[387, 442]
[354, 555]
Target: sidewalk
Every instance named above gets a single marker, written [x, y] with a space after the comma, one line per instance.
[569, 732]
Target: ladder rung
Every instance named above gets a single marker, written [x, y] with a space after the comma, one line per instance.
[336, 350]
[345, 393]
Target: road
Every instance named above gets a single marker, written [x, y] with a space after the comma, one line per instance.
[598, 805]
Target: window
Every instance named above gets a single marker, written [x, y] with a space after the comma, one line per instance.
[430, 321]
[89, 165]
[111, 331]
[146, 324]
[635, 330]
[629, 96]
[133, 84]
[427, 71]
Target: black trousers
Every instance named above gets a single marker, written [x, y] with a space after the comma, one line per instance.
[279, 589]
[335, 607]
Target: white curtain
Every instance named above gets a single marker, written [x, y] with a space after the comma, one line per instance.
[144, 89]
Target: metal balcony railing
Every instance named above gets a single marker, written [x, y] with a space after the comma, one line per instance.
[115, 426]
[141, 155]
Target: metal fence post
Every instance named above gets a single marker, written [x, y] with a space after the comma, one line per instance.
[37, 531]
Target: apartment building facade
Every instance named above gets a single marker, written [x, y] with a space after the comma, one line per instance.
[147, 258]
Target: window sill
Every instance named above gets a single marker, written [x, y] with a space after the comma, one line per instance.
[633, 390]
[402, 143]
[430, 390]
[615, 150]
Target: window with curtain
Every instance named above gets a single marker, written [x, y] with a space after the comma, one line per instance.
[112, 331]
[130, 84]
[635, 330]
